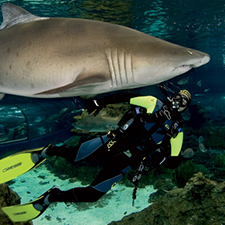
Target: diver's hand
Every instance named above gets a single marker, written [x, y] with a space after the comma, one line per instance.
[94, 105]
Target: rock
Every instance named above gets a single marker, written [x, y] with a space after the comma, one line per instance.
[162, 186]
[200, 202]
[156, 195]
[7, 198]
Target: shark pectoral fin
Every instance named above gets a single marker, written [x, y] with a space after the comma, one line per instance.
[87, 97]
[86, 81]
[56, 90]
[2, 96]
[13, 15]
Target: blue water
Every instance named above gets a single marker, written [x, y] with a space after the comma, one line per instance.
[198, 24]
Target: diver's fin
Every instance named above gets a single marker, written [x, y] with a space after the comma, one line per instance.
[19, 163]
[28, 211]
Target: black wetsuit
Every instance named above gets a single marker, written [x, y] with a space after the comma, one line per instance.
[140, 137]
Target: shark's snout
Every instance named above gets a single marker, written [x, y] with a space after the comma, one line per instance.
[205, 59]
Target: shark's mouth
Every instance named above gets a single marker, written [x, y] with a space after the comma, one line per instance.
[185, 67]
[188, 66]
[203, 61]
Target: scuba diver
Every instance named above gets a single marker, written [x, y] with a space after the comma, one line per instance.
[148, 135]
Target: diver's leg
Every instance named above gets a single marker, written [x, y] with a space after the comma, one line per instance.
[89, 149]
[117, 167]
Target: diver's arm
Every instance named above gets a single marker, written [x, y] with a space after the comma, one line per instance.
[154, 110]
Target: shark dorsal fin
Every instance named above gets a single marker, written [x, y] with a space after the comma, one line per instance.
[13, 15]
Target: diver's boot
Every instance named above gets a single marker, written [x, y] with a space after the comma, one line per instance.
[56, 195]
[50, 150]
[53, 195]
[50, 196]
[69, 153]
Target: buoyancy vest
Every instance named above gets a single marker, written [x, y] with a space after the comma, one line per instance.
[152, 105]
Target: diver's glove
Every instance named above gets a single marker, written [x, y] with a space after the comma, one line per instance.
[96, 106]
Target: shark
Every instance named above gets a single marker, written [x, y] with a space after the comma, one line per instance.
[50, 57]
[99, 123]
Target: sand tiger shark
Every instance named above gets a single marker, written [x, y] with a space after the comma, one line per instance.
[63, 57]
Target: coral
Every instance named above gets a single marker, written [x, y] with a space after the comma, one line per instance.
[200, 202]
[8, 198]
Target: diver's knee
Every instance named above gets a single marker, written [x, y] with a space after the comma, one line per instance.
[94, 195]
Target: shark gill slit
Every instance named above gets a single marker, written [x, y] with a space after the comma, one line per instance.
[122, 68]
[115, 63]
[119, 69]
[108, 54]
[129, 67]
[125, 69]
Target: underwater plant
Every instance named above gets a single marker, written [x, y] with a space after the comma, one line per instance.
[184, 172]
[219, 160]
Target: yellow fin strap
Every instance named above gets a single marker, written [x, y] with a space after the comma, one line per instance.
[147, 102]
[176, 144]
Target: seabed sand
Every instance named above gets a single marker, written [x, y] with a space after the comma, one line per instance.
[113, 207]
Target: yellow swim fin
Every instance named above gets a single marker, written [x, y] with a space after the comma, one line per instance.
[19, 163]
[28, 211]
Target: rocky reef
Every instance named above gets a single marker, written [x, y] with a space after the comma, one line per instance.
[200, 202]
[7, 198]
